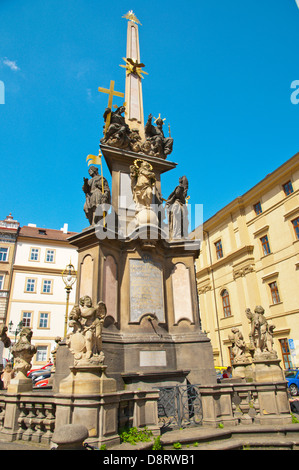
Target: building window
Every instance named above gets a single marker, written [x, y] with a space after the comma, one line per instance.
[219, 251]
[226, 304]
[34, 254]
[26, 319]
[43, 320]
[274, 292]
[3, 254]
[265, 245]
[30, 285]
[286, 354]
[1, 281]
[288, 188]
[50, 256]
[295, 223]
[41, 353]
[257, 208]
[47, 286]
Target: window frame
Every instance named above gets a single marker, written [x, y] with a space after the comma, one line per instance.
[226, 306]
[40, 320]
[2, 282]
[31, 252]
[274, 292]
[286, 354]
[25, 320]
[296, 228]
[219, 249]
[258, 212]
[26, 285]
[46, 348]
[7, 253]
[43, 286]
[265, 244]
[286, 186]
[54, 255]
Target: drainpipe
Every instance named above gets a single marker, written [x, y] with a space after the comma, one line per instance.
[215, 301]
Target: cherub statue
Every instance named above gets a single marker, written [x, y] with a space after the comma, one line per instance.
[87, 321]
[3, 336]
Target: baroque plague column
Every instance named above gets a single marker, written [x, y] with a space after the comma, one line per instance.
[133, 261]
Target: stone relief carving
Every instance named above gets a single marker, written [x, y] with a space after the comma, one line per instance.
[85, 341]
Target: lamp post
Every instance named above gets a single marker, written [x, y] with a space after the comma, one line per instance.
[16, 332]
[69, 277]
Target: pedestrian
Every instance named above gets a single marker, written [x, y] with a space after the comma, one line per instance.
[7, 375]
[228, 373]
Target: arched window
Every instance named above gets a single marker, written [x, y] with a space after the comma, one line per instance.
[226, 304]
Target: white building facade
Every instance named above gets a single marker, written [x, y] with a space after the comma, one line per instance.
[38, 295]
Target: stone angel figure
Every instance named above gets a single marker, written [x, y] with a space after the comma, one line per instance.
[85, 342]
[238, 345]
[261, 333]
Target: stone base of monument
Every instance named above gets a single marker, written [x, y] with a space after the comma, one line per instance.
[244, 371]
[268, 370]
[146, 216]
[20, 384]
[87, 379]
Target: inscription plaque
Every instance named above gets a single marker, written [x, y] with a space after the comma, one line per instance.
[146, 289]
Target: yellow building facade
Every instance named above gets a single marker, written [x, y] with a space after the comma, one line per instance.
[250, 256]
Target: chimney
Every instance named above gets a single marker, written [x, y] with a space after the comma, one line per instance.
[64, 229]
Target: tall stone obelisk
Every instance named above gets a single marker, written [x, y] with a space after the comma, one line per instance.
[133, 92]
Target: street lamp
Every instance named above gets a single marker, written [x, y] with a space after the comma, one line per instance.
[16, 332]
[69, 277]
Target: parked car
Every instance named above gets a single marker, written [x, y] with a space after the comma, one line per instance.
[42, 383]
[44, 375]
[292, 377]
[47, 366]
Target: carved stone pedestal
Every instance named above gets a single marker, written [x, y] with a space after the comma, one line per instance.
[243, 370]
[268, 370]
[20, 384]
[86, 380]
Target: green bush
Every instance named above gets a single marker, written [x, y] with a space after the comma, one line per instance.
[134, 435]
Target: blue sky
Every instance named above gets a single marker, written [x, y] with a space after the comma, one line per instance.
[219, 72]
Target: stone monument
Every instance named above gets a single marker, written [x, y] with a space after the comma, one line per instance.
[141, 266]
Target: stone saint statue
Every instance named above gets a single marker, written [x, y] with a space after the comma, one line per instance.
[261, 334]
[23, 351]
[3, 336]
[238, 346]
[177, 210]
[85, 342]
[95, 194]
[143, 181]
[118, 132]
[156, 143]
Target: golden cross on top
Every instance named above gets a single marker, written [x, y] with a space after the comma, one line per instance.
[111, 93]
